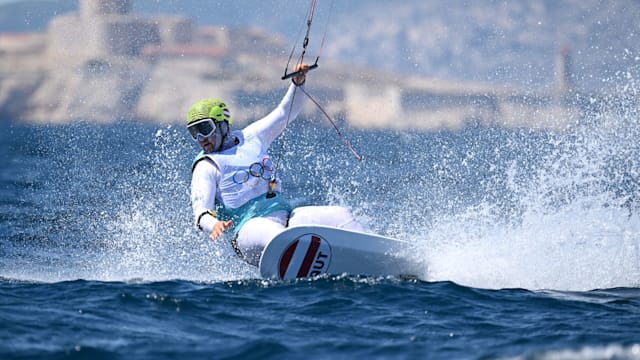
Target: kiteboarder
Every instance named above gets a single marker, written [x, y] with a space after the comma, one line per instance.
[235, 186]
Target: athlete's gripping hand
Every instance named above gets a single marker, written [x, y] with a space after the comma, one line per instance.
[300, 79]
[219, 228]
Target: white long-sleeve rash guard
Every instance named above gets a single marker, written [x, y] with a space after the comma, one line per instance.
[206, 176]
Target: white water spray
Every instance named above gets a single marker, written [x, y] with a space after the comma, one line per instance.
[578, 227]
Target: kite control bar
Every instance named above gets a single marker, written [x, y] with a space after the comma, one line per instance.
[299, 72]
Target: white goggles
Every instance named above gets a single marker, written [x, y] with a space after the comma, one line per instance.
[201, 129]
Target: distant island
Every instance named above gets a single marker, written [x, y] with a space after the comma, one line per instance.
[106, 64]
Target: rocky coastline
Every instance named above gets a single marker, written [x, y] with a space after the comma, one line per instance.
[104, 64]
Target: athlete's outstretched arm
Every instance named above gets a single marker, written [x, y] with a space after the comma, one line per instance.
[272, 125]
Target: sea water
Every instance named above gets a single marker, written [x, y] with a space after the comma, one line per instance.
[529, 243]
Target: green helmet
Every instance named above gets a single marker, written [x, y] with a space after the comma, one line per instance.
[209, 109]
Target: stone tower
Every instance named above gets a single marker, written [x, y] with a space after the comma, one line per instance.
[563, 74]
[92, 8]
[105, 28]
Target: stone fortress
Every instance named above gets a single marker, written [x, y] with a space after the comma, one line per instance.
[106, 64]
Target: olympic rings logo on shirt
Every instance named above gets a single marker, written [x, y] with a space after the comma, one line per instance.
[256, 172]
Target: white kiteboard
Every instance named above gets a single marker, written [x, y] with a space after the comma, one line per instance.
[307, 251]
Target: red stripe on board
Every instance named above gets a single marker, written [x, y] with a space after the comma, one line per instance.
[286, 258]
[309, 256]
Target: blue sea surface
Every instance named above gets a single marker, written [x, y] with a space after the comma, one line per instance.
[323, 318]
[529, 240]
